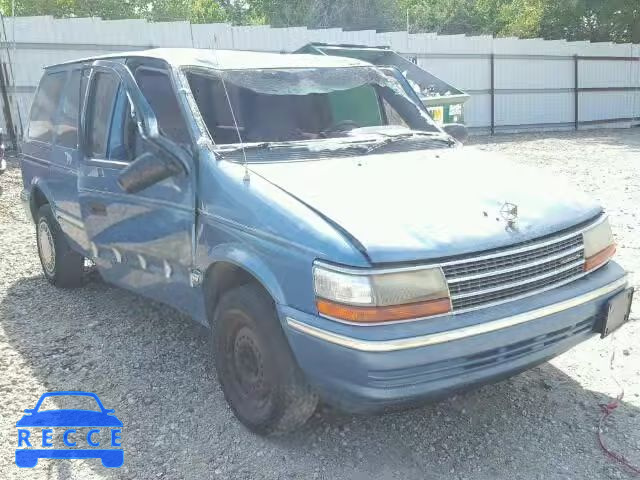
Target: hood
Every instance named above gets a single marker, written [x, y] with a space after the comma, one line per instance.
[432, 203]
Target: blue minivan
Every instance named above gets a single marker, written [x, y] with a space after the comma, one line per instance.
[340, 245]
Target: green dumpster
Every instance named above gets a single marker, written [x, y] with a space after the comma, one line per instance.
[443, 101]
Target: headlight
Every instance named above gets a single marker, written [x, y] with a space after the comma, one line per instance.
[364, 297]
[598, 245]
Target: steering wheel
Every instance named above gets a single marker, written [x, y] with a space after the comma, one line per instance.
[339, 127]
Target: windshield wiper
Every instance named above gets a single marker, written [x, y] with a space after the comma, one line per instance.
[334, 145]
[251, 146]
[294, 144]
[405, 136]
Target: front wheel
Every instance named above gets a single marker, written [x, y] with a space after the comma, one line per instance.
[260, 379]
[62, 266]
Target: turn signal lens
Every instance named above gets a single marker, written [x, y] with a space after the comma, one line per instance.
[383, 314]
[599, 258]
[598, 245]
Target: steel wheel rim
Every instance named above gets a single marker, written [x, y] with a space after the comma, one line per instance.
[47, 247]
[248, 366]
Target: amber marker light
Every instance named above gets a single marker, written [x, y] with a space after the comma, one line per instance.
[598, 245]
[600, 258]
[382, 314]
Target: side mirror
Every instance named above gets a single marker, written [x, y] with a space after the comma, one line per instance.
[457, 131]
[146, 170]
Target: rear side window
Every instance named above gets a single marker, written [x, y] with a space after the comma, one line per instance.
[100, 108]
[44, 107]
[68, 117]
[158, 90]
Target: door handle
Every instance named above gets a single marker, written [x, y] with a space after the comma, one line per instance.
[98, 209]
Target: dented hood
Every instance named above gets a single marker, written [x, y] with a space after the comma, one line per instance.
[433, 203]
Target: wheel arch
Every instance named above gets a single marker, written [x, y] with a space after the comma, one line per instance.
[39, 196]
[234, 269]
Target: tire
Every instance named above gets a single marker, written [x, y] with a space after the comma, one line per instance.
[61, 265]
[260, 379]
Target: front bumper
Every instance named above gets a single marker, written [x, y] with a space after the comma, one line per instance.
[371, 368]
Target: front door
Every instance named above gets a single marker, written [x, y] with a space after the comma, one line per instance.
[64, 162]
[141, 241]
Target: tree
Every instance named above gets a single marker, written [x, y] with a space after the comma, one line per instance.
[596, 20]
[441, 16]
[206, 11]
[348, 14]
[72, 8]
[197, 11]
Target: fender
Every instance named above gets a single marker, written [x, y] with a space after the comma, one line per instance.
[242, 256]
[37, 183]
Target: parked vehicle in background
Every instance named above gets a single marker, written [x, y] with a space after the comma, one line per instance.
[339, 243]
[444, 102]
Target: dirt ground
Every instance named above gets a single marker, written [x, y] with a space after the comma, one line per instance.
[150, 364]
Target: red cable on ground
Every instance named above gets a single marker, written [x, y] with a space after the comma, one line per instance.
[607, 409]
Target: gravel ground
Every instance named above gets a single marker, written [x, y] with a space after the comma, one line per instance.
[150, 364]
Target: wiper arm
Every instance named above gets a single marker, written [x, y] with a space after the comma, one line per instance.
[251, 146]
[365, 148]
[404, 136]
[305, 145]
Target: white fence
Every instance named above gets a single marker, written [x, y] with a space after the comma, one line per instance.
[514, 84]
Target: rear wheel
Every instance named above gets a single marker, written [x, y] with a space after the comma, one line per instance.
[62, 266]
[260, 379]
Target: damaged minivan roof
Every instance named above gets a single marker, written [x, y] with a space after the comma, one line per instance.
[231, 59]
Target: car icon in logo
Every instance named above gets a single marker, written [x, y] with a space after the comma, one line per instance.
[68, 420]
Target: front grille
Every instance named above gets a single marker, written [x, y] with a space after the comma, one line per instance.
[479, 281]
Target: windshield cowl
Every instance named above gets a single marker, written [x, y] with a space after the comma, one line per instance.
[352, 145]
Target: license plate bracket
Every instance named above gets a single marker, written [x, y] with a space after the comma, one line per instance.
[616, 312]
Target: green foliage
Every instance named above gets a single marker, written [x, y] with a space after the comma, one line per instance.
[596, 20]
[73, 8]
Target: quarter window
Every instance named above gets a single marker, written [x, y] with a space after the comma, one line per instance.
[44, 107]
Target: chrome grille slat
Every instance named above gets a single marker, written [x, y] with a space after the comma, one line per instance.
[488, 280]
[522, 282]
[507, 274]
[515, 292]
[563, 255]
[504, 261]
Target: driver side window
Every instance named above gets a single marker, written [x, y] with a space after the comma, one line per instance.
[125, 143]
[100, 109]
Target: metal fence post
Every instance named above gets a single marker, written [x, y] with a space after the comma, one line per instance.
[493, 94]
[576, 93]
[6, 107]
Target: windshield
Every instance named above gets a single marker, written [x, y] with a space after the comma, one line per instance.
[285, 105]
